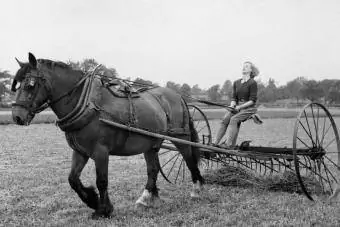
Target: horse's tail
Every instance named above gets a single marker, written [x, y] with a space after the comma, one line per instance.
[194, 138]
[196, 153]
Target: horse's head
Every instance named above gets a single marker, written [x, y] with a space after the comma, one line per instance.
[32, 91]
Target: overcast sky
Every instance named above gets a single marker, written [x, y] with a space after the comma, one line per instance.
[185, 41]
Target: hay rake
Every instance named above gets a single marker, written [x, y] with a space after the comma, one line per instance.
[314, 155]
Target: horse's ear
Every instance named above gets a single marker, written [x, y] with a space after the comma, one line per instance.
[20, 63]
[32, 60]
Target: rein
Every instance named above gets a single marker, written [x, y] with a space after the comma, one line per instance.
[49, 103]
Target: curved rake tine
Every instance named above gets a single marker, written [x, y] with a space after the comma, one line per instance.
[265, 167]
[334, 178]
[279, 164]
[272, 167]
[251, 163]
[328, 180]
[307, 161]
[315, 173]
[284, 164]
[320, 174]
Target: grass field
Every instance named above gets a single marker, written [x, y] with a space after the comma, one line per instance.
[34, 190]
[265, 113]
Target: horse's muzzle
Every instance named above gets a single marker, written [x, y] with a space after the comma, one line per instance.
[21, 116]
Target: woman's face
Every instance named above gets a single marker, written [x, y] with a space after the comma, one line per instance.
[246, 68]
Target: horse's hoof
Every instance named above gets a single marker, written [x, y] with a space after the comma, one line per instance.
[141, 207]
[141, 203]
[96, 216]
[194, 195]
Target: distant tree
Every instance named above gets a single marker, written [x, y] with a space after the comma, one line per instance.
[108, 72]
[293, 87]
[141, 82]
[270, 91]
[328, 87]
[311, 90]
[186, 92]
[261, 92]
[282, 93]
[333, 95]
[74, 65]
[88, 64]
[174, 86]
[227, 89]
[5, 81]
[267, 93]
[196, 90]
[214, 93]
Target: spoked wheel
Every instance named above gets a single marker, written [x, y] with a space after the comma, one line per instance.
[172, 165]
[316, 149]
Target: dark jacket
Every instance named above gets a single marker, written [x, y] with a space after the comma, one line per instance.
[243, 92]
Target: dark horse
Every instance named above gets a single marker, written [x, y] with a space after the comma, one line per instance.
[80, 100]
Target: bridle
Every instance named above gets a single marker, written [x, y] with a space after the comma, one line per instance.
[34, 80]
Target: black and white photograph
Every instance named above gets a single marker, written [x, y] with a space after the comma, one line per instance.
[170, 113]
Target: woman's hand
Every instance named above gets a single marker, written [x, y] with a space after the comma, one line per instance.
[238, 108]
[232, 104]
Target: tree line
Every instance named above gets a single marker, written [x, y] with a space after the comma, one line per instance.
[300, 89]
[326, 91]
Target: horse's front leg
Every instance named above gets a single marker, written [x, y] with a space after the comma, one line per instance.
[87, 194]
[150, 197]
[101, 159]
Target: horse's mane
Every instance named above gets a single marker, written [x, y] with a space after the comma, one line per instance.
[52, 64]
[20, 75]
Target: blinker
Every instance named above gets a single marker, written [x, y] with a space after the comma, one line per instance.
[32, 82]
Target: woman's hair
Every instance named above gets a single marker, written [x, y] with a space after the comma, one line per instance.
[254, 70]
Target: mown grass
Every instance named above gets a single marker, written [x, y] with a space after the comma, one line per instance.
[35, 162]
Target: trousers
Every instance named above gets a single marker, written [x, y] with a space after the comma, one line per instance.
[233, 122]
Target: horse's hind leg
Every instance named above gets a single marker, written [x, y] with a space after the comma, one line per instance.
[150, 194]
[191, 158]
[87, 194]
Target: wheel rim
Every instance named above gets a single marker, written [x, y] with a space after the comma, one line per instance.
[316, 132]
[172, 165]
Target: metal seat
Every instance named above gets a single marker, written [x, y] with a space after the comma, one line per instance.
[256, 118]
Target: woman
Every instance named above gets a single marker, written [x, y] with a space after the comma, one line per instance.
[242, 106]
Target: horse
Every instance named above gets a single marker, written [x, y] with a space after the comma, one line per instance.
[80, 100]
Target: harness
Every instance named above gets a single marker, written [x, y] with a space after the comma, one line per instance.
[78, 117]
[86, 109]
